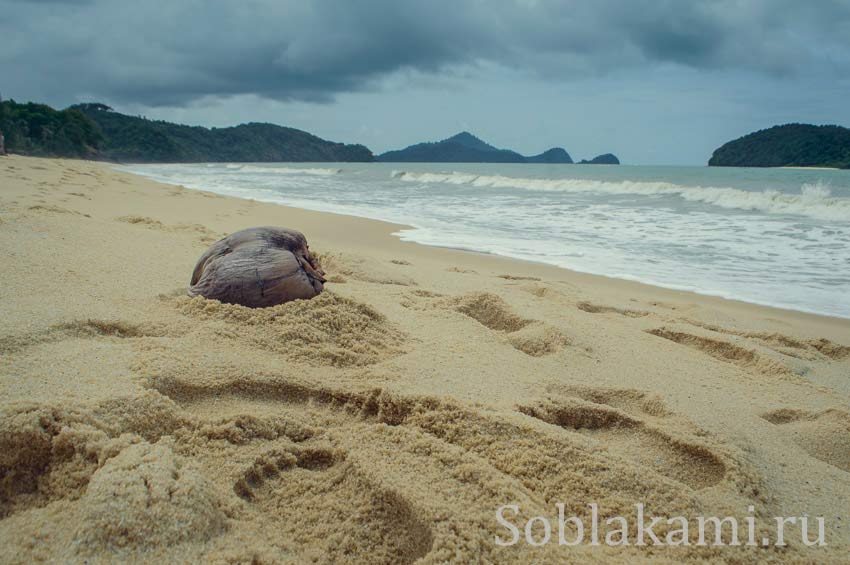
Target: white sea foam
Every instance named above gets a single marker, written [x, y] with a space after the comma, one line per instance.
[788, 249]
[814, 200]
[289, 170]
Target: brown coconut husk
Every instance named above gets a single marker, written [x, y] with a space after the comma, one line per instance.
[258, 267]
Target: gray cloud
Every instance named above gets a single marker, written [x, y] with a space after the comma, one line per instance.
[160, 52]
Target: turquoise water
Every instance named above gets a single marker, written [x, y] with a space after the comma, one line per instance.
[779, 237]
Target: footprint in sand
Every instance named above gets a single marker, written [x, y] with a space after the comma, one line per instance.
[531, 337]
[823, 435]
[599, 309]
[419, 299]
[517, 278]
[631, 401]
[460, 270]
[623, 433]
[782, 343]
[744, 357]
[302, 494]
[540, 291]
[50, 209]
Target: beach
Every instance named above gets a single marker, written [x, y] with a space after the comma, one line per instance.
[764, 236]
[388, 419]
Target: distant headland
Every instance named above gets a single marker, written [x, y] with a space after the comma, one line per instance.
[789, 145]
[95, 131]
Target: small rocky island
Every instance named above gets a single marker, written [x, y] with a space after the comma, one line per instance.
[789, 145]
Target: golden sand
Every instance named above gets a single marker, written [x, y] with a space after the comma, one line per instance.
[386, 420]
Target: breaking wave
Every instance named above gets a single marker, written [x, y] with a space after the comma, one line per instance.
[289, 170]
[814, 200]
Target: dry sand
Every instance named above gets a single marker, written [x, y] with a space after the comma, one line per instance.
[386, 420]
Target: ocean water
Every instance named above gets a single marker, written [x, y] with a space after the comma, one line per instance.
[779, 237]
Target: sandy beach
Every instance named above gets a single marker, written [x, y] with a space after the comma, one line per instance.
[388, 419]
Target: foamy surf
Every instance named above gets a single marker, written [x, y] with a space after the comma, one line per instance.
[273, 168]
[774, 237]
[323, 172]
[814, 200]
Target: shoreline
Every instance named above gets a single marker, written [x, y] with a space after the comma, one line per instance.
[401, 228]
[393, 414]
[623, 278]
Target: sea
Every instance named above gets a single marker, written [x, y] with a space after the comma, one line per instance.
[778, 237]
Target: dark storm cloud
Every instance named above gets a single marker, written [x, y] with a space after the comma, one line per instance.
[162, 52]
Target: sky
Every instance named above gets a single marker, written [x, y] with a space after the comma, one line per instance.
[654, 82]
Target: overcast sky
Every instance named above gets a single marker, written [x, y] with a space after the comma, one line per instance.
[655, 82]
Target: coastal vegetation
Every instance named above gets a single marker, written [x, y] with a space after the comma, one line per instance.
[789, 145]
[38, 129]
[604, 159]
[95, 131]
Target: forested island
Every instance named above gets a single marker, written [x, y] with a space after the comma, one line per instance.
[95, 131]
[466, 148]
[789, 145]
[604, 159]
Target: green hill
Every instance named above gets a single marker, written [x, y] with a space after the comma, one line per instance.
[37, 129]
[466, 148]
[554, 155]
[604, 159]
[789, 145]
[94, 131]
